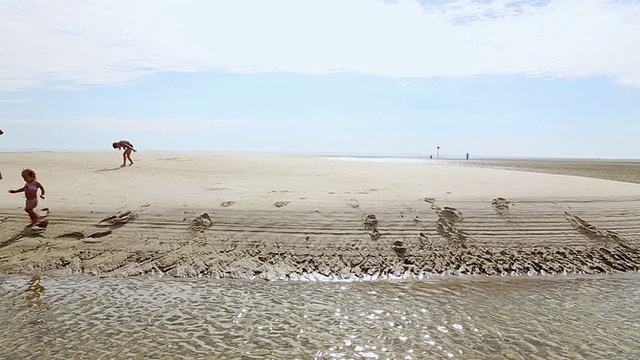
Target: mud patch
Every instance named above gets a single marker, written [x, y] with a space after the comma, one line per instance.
[591, 231]
[280, 204]
[227, 203]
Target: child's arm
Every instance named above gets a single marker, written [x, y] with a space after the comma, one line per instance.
[41, 189]
[128, 145]
[16, 191]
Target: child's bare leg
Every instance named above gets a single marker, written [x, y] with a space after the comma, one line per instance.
[32, 214]
[129, 157]
[124, 159]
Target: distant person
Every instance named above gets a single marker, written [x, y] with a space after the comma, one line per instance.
[128, 149]
[1, 132]
[30, 190]
[467, 156]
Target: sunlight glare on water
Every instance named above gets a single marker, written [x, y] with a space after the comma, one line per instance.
[511, 318]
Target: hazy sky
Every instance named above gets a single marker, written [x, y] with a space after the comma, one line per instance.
[502, 78]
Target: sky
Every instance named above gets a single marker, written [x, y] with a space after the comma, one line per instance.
[506, 78]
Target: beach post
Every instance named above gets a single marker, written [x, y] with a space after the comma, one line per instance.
[438, 152]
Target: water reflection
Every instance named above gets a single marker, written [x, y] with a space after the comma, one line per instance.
[35, 290]
[456, 318]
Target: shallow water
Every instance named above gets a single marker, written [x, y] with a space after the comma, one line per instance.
[459, 318]
[618, 170]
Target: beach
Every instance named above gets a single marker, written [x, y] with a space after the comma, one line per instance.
[285, 217]
[168, 259]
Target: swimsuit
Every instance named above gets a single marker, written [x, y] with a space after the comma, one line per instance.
[31, 186]
[31, 204]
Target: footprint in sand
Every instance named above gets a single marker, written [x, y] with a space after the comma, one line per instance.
[452, 215]
[74, 235]
[200, 224]
[353, 203]
[227, 203]
[399, 248]
[430, 200]
[280, 204]
[41, 224]
[34, 231]
[78, 235]
[591, 231]
[100, 234]
[118, 219]
[370, 222]
[448, 218]
[501, 206]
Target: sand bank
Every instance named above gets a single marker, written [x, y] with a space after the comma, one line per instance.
[279, 217]
[619, 170]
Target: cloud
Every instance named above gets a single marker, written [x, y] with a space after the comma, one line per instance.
[407, 84]
[101, 123]
[175, 125]
[15, 101]
[47, 43]
[16, 121]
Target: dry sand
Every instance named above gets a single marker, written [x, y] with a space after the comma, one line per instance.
[296, 217]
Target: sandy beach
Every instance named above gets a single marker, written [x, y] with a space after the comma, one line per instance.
[304, 217]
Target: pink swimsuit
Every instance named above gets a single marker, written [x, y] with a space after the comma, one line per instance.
[31, 204]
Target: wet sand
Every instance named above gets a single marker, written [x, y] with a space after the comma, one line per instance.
[87, 317]
[618, 170]
[296, 217]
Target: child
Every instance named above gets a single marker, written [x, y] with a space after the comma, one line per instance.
[30, 190]
[128, 148]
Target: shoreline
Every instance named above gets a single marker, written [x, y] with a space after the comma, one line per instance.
[423, 156]
[298, 217]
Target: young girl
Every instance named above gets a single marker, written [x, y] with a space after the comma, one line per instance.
[30, 190]
[128, 148]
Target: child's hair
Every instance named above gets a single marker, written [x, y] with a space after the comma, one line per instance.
[29, 172]
[115, 145]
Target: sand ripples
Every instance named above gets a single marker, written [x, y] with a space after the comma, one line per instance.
[412, 240]
[576, 318]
